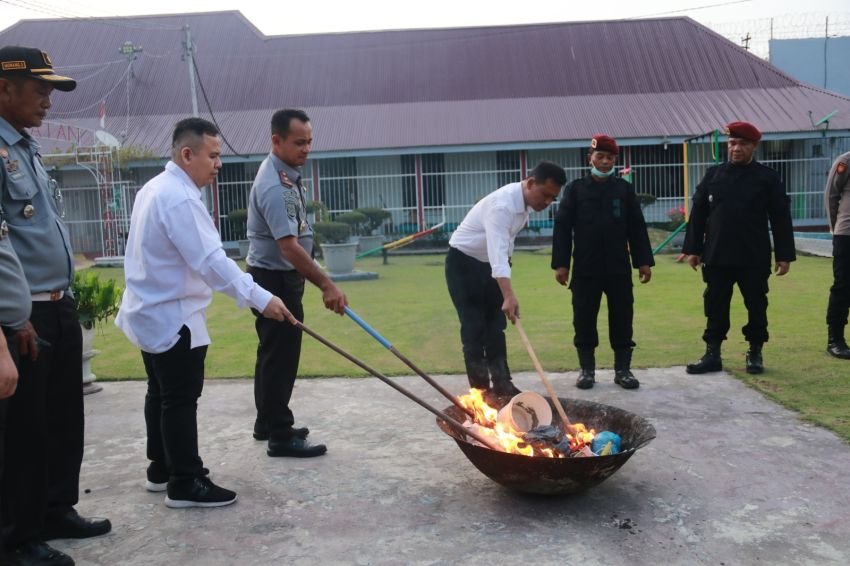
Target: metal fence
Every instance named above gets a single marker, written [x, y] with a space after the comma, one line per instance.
[425, 189]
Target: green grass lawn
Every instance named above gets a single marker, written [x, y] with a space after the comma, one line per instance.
[410, 306]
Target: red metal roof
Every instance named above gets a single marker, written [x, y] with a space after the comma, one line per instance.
[413, 88]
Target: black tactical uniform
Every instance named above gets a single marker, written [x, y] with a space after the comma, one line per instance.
[728, 228]
[599, 225]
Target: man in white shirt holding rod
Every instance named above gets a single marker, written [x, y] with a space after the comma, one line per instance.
[173, 261]
[478, 273]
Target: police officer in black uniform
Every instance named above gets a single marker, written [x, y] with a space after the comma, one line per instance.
[728, 235]
[599, 225]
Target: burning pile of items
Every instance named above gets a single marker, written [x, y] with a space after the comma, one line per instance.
[524, 426]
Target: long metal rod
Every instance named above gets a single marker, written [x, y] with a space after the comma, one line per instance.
[386, 344]
[450, 421]
[555, 401]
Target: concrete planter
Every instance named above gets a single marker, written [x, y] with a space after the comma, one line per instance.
[89, 352]
[243, 248]
[367, 243]
[339, 258]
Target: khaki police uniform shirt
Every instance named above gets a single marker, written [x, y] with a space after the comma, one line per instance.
[36, 230]
[276, 209]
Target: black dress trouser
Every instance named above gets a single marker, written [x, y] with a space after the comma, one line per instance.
[478, 301]
[4, 403]
[587, 297]
[175, 383]
[719, 284]
[839, 293]
[278, 353]
[44, 425]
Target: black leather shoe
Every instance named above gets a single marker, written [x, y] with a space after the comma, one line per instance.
[262, 433]
[626, 379]
[71, 525]
[586, 379]
[710, 361]
[295, 447]
[505, 388]
[838, 350]
[755, 362]
[37, 553]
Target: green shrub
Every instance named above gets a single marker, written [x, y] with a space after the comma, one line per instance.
[332, 232]
[316, 207]
[646, 199]
[376, 218]
[238, 220]
[96, 300]
[354, 219]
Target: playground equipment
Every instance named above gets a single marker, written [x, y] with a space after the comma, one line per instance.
[401, 242]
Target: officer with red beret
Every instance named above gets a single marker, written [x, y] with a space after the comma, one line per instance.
[728, 235]
[598, 226]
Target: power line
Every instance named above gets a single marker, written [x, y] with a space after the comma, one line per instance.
[706, 7]
[212, 115]
[99, 100]
[21, 4]
[34, 6]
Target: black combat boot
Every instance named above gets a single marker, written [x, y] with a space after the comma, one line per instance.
[710, 361]
[836, 345]
[476, 372]
[501, 377]
[587, 362]
[755, 363]
[622, 369]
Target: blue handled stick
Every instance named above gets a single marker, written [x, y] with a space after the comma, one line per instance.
[386, 344]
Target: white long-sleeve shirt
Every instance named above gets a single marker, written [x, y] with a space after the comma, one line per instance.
[490, 228]
[173, 259]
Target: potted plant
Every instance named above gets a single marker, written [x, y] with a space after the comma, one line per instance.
[317, 208]
[238, 220]
[97, 301]
[334, 239]
[355, 220]
[677, 219]
[372, 237]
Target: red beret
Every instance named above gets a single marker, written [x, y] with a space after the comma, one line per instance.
[743, 130]
[601, 142]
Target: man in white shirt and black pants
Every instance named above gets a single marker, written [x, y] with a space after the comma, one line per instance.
[478, 273]
[173, 260]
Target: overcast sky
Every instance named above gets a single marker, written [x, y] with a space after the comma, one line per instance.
[315, 16]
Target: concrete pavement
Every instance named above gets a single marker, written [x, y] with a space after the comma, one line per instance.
[732, 478]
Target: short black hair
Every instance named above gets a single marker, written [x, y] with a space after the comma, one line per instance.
[282, 118]
[547, 170]
[189, 131]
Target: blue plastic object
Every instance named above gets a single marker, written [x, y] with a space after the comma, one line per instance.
[601, 441]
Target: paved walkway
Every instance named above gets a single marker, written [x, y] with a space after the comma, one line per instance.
[814, 246]
[731, 479]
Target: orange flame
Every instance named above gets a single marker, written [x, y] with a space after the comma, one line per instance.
[510, 440]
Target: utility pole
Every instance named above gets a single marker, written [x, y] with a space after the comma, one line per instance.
[129, 50]
[188, 54]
